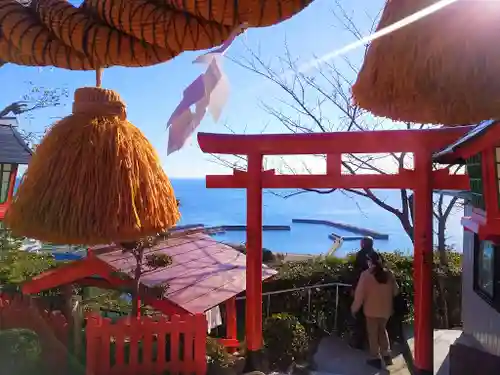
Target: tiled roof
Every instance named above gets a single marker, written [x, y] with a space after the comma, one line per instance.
[203, 274]
[479, 129]
[13, 149]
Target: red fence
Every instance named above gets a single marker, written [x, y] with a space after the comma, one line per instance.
[51, 328]
[147, 346]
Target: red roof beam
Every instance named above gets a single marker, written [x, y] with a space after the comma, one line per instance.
[382, 141]
[65, 274]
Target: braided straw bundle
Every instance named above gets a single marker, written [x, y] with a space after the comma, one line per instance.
[442, 69]
[103, 33]
[94, 179]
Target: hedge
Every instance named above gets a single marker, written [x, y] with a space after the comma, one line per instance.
[321, 270]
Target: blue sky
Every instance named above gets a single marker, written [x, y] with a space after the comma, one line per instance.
[152, 93]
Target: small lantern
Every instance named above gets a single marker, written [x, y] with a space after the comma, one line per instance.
[13, 152]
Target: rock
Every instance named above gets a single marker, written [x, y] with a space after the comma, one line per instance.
[239, 365]
[300, 369]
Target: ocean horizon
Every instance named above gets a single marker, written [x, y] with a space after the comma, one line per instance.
[218, 207]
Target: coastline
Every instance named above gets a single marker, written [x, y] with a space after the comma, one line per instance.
[289, 257]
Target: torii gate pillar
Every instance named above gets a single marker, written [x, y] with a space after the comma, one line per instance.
[253, 307]
[423, 264]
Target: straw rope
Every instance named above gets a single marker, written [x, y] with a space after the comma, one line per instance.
[104, 33]
[442, 69]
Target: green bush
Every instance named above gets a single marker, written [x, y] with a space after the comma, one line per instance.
[285, 340]
[217, 353]
[267, 255]
[20, 352]
[325, 313]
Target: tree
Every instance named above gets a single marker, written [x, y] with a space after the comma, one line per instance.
[318, 99]
[145, 263]
[36, 98]
[16, 265]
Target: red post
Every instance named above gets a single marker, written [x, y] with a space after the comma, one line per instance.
[200, 344]
[423, 263]
[10, 193]
[138, 309]
[254, 261]
[231, 322]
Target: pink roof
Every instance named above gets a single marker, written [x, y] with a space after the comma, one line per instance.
[203, 273]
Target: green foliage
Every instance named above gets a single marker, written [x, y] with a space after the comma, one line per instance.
[217, 354]
[324, 308]
[17, 266]
[8, 242]
[285, 340]
[267, 255]
[20, 352]
[108, 300]
[160, 260]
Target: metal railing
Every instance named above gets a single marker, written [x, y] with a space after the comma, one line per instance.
[310, 289]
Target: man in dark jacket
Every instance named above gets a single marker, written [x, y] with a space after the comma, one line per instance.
[361, 262]
[360, 265]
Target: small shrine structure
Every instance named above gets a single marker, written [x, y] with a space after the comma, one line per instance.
[479, 152]
[204, 273]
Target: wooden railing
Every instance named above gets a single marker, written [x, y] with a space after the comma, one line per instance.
[146, 346]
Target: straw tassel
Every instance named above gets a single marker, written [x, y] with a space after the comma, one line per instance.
[94, 179]
[441, 69]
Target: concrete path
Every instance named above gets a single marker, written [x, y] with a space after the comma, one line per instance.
[443, 338]
[335, 357]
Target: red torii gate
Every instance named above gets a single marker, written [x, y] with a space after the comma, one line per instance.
[422, 180]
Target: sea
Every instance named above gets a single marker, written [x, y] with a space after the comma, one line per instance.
[218, 207]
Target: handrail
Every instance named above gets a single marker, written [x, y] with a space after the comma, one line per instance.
[317, 286]
[309, 288]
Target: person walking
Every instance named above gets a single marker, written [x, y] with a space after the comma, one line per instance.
[374, 294]
[360, 265]
[361, 261]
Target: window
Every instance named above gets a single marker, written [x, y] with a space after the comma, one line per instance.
[5, 172]
[474, 170]
[487, 271]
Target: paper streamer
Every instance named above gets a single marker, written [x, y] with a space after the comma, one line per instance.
[210, 91]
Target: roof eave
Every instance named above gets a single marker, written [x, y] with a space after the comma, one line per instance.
[471, 143]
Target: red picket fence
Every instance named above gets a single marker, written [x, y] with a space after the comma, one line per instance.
[149, 346]
[51, 327]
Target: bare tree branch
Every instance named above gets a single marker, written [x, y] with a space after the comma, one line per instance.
[320, 101]
[36, 98]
